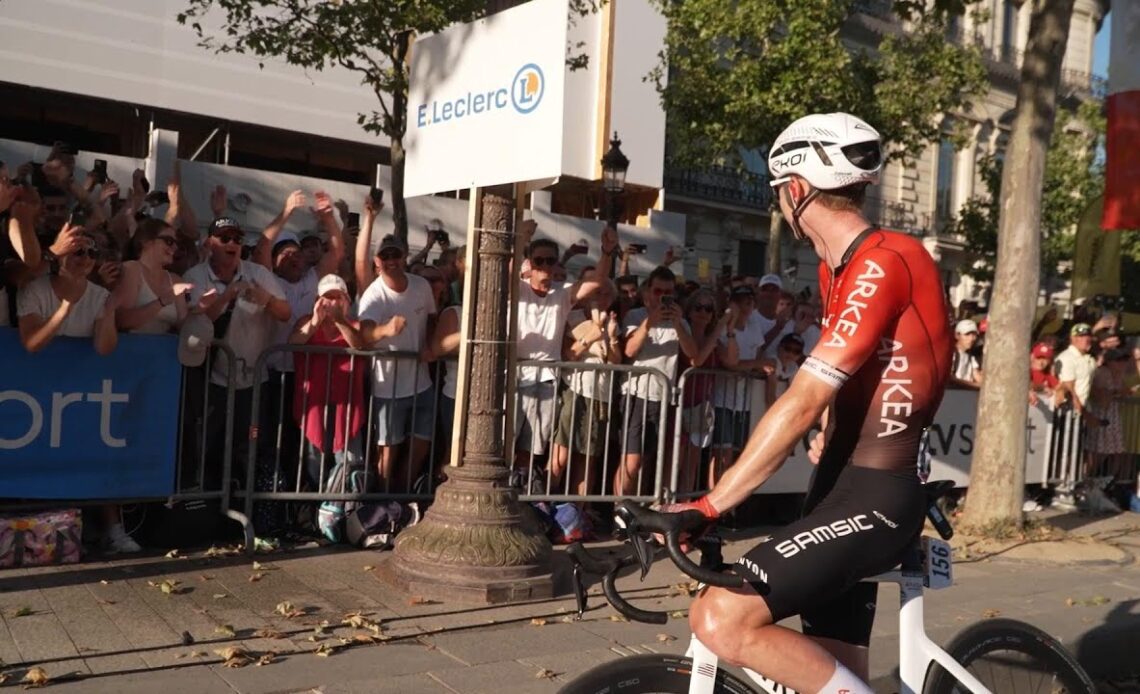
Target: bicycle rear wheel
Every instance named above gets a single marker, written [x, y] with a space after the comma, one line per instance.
[1010, 656]
[649, 674]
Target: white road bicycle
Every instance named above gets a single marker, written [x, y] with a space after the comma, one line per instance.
[995, 655]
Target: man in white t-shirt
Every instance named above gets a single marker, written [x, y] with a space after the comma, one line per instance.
[1077, 365]
[654, 336]
[740, 349]
[245, 303]
[397, 314]
[964, 369]
[543, 307]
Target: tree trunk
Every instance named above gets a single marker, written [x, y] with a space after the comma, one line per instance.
[399, 207]
[997, 474]
[775, 232]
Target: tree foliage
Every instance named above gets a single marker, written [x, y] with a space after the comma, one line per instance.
[1074, 176]
[732, 75]
[369, 38]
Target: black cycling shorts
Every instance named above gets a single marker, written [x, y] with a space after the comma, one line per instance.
[857, 523]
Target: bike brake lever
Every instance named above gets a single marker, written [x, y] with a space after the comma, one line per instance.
[643, 550]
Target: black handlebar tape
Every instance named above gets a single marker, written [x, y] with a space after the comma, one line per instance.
[589, 562]
[707, 576]
[620, 604]
[671, 525]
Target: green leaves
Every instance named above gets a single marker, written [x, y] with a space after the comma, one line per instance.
[733, 74]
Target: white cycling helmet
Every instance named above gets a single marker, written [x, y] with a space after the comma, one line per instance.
[829, 150]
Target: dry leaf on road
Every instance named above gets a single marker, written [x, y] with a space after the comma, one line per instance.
[172, 554]
[234, 656]
[268, 634]
[219, 596]
[368, 567]
[618, 618]
[418, 600]
[105, 582]
[225, 630]
[677, 615]
[266, 658]
[544, 674]
[666, 638]
[325, 650]
[255, 577]
[538, 622]
[990, 613]
[170, 587]
[23, 612]
[198, 654]
[288, 610]
[1069, 602]
[36, 677]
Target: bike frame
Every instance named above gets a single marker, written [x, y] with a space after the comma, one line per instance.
[916, 650]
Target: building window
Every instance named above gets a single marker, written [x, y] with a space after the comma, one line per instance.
[1009, 32]
[944, 187]
[751, 257]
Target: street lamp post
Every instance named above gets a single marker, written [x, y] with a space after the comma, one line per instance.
[614, 167]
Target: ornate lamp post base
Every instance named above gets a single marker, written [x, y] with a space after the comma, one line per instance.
[477, 542]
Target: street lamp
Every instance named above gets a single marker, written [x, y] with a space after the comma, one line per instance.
[614, 167]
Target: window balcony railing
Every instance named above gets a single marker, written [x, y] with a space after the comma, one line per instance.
[721, 184]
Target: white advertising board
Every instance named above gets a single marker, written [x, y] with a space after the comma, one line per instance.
[135, 51]
[951, 441]
[485, 103]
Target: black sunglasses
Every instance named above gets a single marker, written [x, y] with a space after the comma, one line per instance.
[543, 261]
[391, 254]
[230, 238]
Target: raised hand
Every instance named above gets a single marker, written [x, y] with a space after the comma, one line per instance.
[70, 239]
[324, 204]
[295, 201]
[372, 206]
[208, 299]
[109, 273]
[109, 190]
[526, 230]
[218, 200]
[609, 240]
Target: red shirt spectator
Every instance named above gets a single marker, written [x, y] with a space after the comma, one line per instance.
[1041, 377]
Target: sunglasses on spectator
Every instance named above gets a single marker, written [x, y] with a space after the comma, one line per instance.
[92, 253]
[707, 308]
[168, 240]
[391, 254]
[543, 261]
[230, 238]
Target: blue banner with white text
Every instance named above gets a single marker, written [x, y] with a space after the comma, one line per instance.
[76, 425]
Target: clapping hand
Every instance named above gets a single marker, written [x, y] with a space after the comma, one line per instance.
[324, 205]
[294, 202]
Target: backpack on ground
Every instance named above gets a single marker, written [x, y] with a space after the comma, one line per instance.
[375, 525]
[350, 476]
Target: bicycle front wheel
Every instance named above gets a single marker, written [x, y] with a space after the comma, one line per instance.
[1010, 656]
[649, 674]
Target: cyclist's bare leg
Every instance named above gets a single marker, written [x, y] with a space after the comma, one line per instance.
[736, 625]
[857, 659]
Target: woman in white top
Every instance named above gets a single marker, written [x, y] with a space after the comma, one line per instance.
[152, 300]
[65, 304]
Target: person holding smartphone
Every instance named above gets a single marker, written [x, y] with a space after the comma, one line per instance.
[654, 337]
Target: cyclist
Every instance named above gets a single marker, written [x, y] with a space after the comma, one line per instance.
[874, 382]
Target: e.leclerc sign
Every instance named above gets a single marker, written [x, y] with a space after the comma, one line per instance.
[523, 93]
[486, 101]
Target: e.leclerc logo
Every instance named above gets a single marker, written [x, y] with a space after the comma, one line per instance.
[523, 93]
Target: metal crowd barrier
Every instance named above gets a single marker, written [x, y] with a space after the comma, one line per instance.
[601, 410]
[715, 412]
[285, 465]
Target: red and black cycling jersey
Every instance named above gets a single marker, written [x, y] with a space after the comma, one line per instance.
[886, 347]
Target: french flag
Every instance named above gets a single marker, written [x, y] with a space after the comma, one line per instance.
[1122, 177]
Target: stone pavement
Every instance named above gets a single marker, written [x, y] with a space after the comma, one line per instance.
[112, 627]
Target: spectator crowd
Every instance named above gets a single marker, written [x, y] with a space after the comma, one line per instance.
[91, 259]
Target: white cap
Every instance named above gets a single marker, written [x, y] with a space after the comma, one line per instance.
[330, 283]
[194, 340]
[965, 327]
[771, 279]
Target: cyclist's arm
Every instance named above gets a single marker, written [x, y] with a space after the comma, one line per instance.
[844, 347]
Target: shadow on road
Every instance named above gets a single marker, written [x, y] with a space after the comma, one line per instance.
[1109, 650]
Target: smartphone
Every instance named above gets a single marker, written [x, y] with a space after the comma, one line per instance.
[638, 247]
[157, 198]
[100, 171]
[377, 195]
[667, 300]
[443, 237]
[78, 216]
[354, 220]
[36, 179]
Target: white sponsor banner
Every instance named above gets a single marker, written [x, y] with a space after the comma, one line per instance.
[485, 103]
[951, 441]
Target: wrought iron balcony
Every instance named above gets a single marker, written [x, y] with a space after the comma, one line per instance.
[720, 184]
[897, 216]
